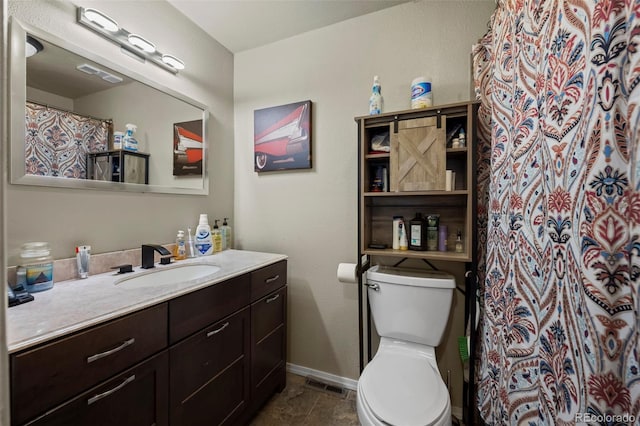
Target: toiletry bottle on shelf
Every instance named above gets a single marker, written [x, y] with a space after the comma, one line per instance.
[130, 143]
[462, 138]
[375, 101]
[417, 233]
[228, 240]
[216, 237]
[402, 235]
[181, 248]
[459, 245]
[395, 244]
[204, 244]
[190, 245]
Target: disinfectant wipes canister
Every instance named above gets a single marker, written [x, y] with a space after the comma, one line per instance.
[421, 96]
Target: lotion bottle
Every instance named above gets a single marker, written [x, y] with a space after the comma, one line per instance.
[402, 232]
[227, 243]
[204, 244]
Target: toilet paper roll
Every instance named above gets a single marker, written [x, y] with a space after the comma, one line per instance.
[347, 273]
[448, 180]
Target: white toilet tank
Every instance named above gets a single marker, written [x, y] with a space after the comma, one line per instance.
[410, 304]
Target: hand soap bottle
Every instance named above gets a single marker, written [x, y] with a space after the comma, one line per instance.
[204, 244]
[180, 250]
[216, 237]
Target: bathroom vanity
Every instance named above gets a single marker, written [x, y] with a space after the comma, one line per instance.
[208, 352]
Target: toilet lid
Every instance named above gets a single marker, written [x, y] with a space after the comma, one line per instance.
[403, 390]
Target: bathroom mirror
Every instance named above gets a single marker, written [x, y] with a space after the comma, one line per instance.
[61, 92]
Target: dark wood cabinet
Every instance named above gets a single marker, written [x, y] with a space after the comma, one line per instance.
[52, 373]
[210, 357]
[269, 338]
[136, 397]
[209, 376]
[268, 346]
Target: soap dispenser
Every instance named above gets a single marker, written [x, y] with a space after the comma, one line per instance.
[216, 237]
[181, 249]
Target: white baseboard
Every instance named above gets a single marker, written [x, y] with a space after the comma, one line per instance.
[305, 371]
[343, 381]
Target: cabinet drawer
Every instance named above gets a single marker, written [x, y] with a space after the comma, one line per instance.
[268, 312]
[209, 375]
[137, 397]
[194, 311]
[268, 279]
[45, 376]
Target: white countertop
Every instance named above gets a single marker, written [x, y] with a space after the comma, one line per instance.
[77, 304]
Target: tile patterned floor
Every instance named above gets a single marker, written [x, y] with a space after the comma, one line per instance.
[302, 405]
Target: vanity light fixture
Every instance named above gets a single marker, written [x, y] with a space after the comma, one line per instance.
[102, 20]
[142, 43]
[131, 43]
[32, 46]
[172, 61]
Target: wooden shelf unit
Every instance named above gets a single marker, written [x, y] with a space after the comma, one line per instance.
[456, 208]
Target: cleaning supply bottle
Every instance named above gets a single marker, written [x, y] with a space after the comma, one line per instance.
[204, 243]
[375, 101]
[130, 143]
[181, 249]
[227, 242]
[417, 233]
[216, 237]
[462, 138]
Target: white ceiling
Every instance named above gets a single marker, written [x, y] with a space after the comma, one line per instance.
[244, 24]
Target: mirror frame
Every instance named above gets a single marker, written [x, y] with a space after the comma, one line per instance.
[18, 95]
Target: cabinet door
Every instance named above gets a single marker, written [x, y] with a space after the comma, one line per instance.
[418, 155]
[268, 345]
[47, 375]
[209, 376]
[137, 397]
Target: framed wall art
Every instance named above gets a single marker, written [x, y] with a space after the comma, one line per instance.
[282, 137]
[187, 148]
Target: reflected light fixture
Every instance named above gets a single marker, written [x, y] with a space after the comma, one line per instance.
[32, 46]
[129, 42]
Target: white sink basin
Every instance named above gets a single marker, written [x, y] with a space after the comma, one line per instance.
[168, 275]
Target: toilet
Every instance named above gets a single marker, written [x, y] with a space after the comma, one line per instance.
[402, 386]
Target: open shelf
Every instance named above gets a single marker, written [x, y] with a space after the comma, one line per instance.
[428, 255]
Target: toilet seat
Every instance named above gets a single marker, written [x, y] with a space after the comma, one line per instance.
[402, 387]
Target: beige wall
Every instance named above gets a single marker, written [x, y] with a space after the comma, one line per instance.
[110, 220]
[311, 215]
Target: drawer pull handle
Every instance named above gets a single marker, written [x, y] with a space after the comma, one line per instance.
[271, 299]
[99, 396]
[112, 351]
[211, 333]
[272, 279]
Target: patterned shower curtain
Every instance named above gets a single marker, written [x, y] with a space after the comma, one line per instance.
[57, 141]
[559, 212]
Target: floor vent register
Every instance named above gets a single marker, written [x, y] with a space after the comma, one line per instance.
[330, 388]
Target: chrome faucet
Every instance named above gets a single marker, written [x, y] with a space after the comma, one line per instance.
[148, 254]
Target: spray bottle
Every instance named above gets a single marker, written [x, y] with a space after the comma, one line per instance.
[375, 101]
